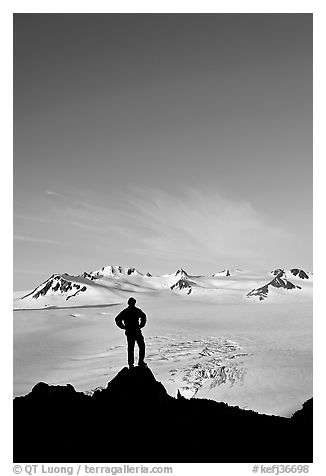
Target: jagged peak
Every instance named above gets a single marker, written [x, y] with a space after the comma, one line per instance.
[181, 271]
[57, 284]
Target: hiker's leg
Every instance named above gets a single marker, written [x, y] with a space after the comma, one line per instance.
[131, 347]
[141, 345]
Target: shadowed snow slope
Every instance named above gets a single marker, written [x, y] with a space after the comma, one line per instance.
[134, 420]
[113, 284]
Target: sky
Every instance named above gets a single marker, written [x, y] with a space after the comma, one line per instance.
[161, 141]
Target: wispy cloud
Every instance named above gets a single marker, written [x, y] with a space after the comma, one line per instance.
[205, 226]
[54, 194]
[62, 216]
[185, 225]
[31, 239]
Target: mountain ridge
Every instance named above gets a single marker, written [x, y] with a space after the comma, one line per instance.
[110, 284]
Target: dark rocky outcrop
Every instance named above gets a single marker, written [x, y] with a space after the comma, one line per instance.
[300, 273]
[134, 420]
[183, 284]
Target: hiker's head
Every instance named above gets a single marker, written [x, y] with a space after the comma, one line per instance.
[131, 301]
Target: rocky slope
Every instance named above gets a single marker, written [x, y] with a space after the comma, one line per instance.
[134, 420]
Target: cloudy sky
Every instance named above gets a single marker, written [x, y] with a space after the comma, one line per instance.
[161, 140]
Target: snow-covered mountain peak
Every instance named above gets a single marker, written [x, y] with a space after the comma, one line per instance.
[181, 273]
[282, 280]
[114, 271]
[58, 284]
[224, 272]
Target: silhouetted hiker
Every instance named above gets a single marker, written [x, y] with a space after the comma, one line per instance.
[133, 319]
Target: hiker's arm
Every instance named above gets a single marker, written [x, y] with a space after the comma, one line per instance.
[142, 320]
[119, 321]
